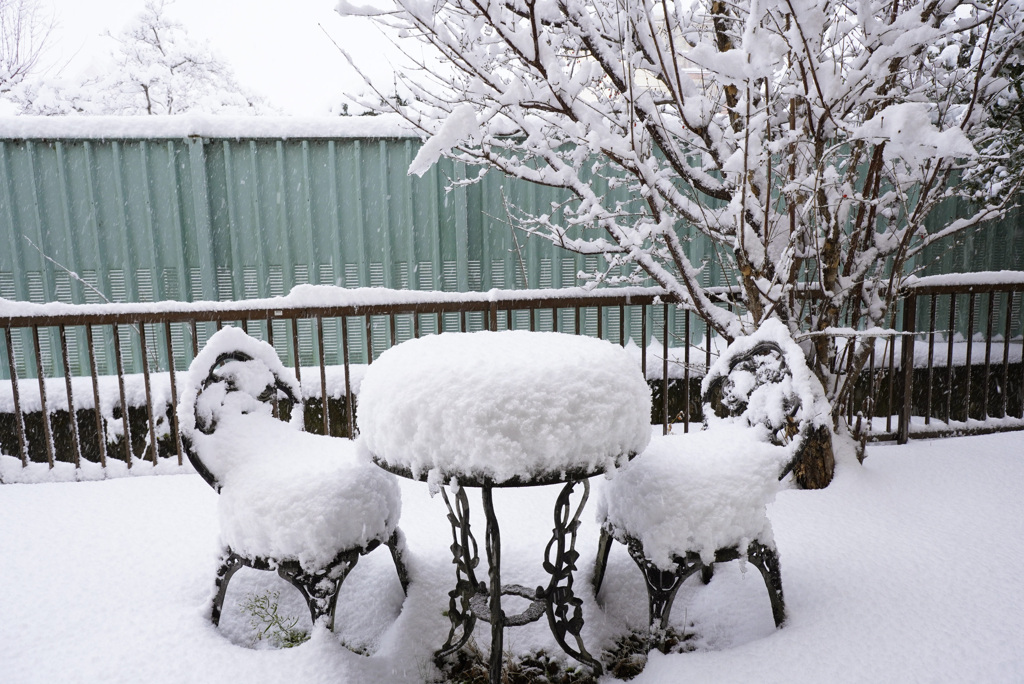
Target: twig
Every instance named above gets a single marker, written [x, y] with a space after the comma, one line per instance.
[66, 269]
[150, 352]
[515, 238]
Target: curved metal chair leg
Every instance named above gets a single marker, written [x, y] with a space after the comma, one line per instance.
[662, 587]
[765, 559]
[229, 565]
[321, 589]
[396, 545]
[604, 548]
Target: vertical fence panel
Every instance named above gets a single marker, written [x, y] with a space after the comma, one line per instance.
[971, 301]
[168, 339]
[44, 410]
[151, 419]
[72, 415]
[126, 435]
[97, 406]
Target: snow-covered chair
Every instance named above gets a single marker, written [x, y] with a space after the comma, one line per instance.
[693, 500]
[303, 505]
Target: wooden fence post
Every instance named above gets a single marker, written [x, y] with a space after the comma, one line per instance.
[907, 366]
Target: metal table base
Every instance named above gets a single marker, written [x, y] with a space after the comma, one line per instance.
[471, 600]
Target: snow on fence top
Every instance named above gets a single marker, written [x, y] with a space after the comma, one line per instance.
[203, 125]
[316, 296]
[986, 278]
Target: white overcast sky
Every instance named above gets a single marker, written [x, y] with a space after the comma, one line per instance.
[276, 47]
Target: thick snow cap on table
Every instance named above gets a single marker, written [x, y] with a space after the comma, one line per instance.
[501, 406]
[284, 493]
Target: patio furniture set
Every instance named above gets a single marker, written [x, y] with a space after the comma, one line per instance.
[491, 410]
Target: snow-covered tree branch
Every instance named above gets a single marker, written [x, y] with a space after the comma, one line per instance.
[809, 139]
[24, 32]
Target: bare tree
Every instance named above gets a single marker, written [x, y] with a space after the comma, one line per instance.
[157, 69]
[24, 33]
[808, 140]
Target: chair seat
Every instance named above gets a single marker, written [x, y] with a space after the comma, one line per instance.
[300, 496]
[695, 493]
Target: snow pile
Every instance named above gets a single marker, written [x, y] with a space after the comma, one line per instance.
[862, 564]
[327, 296]
[284, 493]
[235, 392]
[299, 495]
[699, 492]
[983, 278]
[500, 405]
[12, 471]
[911, 137]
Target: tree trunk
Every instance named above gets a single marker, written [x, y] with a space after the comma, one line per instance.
[815, 462]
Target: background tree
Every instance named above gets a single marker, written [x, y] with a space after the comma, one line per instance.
[1005, 141]
[24, 32]
[808, 140]
[157, 68]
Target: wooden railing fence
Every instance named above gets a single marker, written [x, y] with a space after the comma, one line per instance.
[936, 384]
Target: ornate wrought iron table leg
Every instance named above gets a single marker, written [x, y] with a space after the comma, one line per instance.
[564, 609]
[493, 547]
[466, 601]
[465, 559]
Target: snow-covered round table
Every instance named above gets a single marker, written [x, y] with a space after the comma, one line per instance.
[506, 409]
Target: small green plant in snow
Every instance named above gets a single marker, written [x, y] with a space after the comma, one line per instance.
[279, 630]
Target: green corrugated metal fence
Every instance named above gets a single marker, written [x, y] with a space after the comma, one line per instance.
[193, 218]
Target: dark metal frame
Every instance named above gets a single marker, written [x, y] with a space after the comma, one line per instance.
[1011, 292]
[495, 310]
[319, 589]
[662, 585]
[471, 600]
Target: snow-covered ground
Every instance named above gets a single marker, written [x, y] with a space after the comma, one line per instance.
[904, 569]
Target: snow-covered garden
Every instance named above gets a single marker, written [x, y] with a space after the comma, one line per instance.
[904, 569]
[796, 151]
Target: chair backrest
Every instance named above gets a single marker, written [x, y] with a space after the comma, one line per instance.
[763, 380]
[234, 374]
[756, 389]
